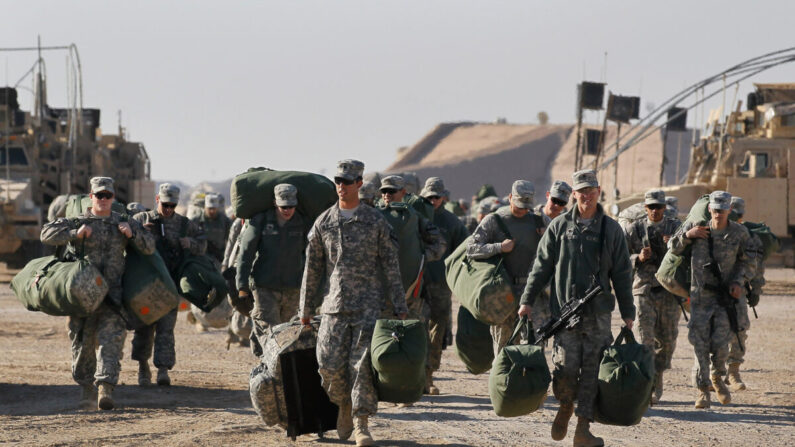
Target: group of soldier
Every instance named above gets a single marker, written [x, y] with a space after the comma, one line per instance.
[370, 257]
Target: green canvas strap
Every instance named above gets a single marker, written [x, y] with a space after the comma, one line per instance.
[523, 323]
[625, 337]
[503, 227]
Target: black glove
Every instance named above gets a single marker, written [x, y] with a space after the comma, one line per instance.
[242, 303]
[753, 299]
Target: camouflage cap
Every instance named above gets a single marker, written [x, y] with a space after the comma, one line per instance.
[168, 193]
[368, 191]
[212, 201]
[488, 205]
[560, 190]
[720, 200]
[738, 205]
[585, 179]
[522, 194]
[654, 197]
[411, 182]
[434, 187]
[102, 184]
[135, 208]
[349, 169]
[672, 201]
[392, 182]
[285, 194]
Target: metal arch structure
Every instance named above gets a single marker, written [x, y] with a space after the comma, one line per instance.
[730, 77]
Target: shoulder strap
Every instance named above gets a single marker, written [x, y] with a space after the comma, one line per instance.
[601, 243]
[539, 220]
[183, 230]
[503, 227]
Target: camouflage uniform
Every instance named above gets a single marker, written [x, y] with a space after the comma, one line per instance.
[344, 256]
[487, 242]
[240, 325]
[167, 232]
[98, 340]
[215, 230]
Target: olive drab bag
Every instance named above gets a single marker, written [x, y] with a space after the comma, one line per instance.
[398, 352]
[674, 271]
[519, 378]
[473, 343]
[149, 293]
[77, 204]
[626, 379]
[201, 283]
[252, 192]
[770, 242]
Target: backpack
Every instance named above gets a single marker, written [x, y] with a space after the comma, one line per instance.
[674, 273]
[770, 242]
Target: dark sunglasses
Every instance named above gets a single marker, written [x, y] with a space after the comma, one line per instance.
[434, 198]
[103, 195]
[656, 207]
[343, 181]
[286, 207]
[389, 191]
[558, 202]
[169, 205]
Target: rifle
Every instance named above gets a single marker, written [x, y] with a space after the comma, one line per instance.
[570, 314]
[725, 299]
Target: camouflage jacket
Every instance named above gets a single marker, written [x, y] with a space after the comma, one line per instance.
[642, 233]
[232, 244]
[539, 210]
[343, 261]
[454, 233]
[758, 279]
[105, 248]
[216, 232]
[167, 233]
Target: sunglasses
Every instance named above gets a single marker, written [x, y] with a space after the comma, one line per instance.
[169, 205]
[655, 207]
[343, 181]
[103, 195]
[558, 202]
[286, 207]
[434, 198]
[389, 191]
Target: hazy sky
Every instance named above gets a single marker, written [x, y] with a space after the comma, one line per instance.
[212, 88]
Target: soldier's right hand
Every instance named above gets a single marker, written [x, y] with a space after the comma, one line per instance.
[645, 254]
[507, 245]
[306, 321]
[84, 231]
[524, 310]
[698, 232]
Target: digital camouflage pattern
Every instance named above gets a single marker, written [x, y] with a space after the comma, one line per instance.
[271, 307]
[232, 245]
[737, 355]
[216, 232]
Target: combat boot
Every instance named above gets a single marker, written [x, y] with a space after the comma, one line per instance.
[344, 421]
[583, 436]
[733, 378]
[190, 317]
[361, 433]
[702, 397]
[144, 374]
[561, 424]
[88, 397]
[430, 388]
[724, 396]
[658, 388]
[162, 377]
[105, 401]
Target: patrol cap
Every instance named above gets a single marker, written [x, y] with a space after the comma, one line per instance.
[488, 205]
[212, 201]
[135, 208]
[392, 182]
[738, 205]
[411, 181]
[585, 179]
[522, 194]
[560, 190]
[368, 191]
[720, 200]
[349, 169]
[102, 184]
[285, 194]
[654, 197]
[168, 193]
[672, 201]
[434, 187]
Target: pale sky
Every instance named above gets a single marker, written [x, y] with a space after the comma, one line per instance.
[212, 88]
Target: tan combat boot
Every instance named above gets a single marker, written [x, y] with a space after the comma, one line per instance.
[88, 397]
[361, 433]
[162, 377]
[105, 401]
[658, 388]
[561, 424]
[583, 436]
[724, 396]
[144, 374]
[430, 388]
[344, 422]
[733, 378]
[702, 397]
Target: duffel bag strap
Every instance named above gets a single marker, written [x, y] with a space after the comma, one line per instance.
[523, 323]
[625, 337]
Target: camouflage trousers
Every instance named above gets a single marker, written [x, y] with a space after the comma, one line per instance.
[440, 303]
[658, 324]
[343, 358]
[271, 307]
[239, 327]
[708, 332]
[540, 311]
[737, 355]
[97, 345]
[576, 355]
[501, 333]
[160, 337]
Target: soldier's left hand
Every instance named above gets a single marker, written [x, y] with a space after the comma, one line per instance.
[125, 229]
[735, 290]
[184, 242]
[629, 322]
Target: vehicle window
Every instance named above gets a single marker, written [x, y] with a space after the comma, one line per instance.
[18, 157]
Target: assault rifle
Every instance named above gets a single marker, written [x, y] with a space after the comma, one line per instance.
[570, 314]
[725, 300]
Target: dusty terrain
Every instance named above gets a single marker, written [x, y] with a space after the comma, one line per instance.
[209, 402]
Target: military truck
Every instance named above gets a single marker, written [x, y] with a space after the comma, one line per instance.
[751, 154]
[51, 151]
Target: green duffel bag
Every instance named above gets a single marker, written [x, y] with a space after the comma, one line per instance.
[149, 293]
[674, 271]
[626, 379]
[252, 192]
[473, 343]
[398, 352]
[60, 288]
[519, 379]
[421, 205]
[770, 242]
[481, 285]
[201, 283]
[77, 204]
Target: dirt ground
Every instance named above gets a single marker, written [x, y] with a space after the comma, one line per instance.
[209, 403]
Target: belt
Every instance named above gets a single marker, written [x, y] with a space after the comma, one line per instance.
[520, 281]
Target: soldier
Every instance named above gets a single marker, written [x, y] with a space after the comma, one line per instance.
[439, 295]
[658, 309]
[349, 246]
[368, 193]
[271, 262]
[240, 325]
[725, 243]
[512, 232]
[580, 245]
[671, 207]
[754, 291]
[557, 198]
[174, 234]
[101, 236]
[134, 208]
